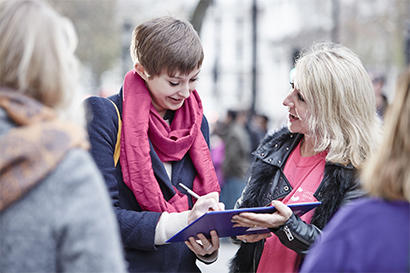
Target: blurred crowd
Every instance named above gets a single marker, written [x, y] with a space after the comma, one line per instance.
[233, 140]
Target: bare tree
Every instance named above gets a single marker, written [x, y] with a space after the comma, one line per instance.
[199, 14]
[98, 31]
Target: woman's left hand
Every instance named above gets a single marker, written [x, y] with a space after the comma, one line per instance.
[266, 220]
[205, 246]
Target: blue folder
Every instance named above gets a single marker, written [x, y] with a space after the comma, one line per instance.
[221, 222]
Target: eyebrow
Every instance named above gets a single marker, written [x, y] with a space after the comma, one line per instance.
[180, 78]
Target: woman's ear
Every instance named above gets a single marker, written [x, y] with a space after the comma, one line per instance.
[140, 69]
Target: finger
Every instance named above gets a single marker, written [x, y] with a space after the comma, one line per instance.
[221, 206]
[243, 224]
[215, 239]
[188, 244]
[212, 195]
[263, 235]
[205, 242]
[247, 222]
[207, 246]
[208, 203]
[282, 208]
[258, 237]
[260, 219]
[196, 248]
[243, 238]
[252, 238]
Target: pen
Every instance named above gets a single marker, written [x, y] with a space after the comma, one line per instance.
[191, 192]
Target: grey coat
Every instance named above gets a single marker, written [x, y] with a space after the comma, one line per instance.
[64, 224]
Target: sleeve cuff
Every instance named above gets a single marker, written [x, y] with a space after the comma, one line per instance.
[208, 259]
[168, 225]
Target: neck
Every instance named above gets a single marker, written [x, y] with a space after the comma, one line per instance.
[307, 146]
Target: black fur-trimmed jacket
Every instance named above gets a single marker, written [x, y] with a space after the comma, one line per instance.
[267, 182]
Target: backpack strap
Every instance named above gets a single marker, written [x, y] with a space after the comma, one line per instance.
[117, 149]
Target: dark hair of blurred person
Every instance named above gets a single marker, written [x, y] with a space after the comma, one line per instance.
[381, 100]
[55, 214]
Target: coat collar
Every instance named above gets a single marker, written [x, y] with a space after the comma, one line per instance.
[276, 148]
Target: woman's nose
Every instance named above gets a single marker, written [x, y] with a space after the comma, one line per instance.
[288, 101]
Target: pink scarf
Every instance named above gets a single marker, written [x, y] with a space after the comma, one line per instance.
[142, 123]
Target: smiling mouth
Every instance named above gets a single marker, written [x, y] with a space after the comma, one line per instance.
[176, 100]
[292, 117]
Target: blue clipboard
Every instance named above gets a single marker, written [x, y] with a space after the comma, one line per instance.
[221, 222]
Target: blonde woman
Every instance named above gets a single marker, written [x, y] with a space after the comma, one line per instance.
[332, 127]
[55, 214]
[373, 234]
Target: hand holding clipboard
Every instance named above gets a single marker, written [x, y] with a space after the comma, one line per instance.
[262, 220]
[200, 244]
[221, 222]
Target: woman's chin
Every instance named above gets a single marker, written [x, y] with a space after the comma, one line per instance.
[292, 128]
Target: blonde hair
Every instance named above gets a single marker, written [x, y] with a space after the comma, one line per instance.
[166, 43]
[341, 102]
[387, 172]
[37, 52]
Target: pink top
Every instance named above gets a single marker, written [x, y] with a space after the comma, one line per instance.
[304, 175]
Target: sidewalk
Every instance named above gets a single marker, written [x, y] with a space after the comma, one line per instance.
[226, 253]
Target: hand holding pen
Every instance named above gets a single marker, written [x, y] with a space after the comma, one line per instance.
[203, 204]
[201, 245]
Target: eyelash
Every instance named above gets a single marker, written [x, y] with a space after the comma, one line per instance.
[176, 83]
[300, 97]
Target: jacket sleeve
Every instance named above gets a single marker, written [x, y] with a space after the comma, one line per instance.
[296, 234]
[87, 232]
[137, 228]
[299, 236]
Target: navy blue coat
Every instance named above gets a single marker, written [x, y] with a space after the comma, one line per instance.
[137, 227]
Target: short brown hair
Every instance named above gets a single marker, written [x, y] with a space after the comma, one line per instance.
[166, 43]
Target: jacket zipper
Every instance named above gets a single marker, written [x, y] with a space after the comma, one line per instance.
[288, 233]
[292, 237]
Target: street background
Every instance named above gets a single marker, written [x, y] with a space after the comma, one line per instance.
[249, 45]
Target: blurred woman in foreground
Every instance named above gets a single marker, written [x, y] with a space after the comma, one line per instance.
[55, 214]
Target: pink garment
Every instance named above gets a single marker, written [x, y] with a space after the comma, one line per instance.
[218, 157]
[304, 175]
[142, 123]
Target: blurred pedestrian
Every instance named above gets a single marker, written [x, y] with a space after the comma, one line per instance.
[218, 151]
[332, 128]
[257, 128]
[55, 214]
[155, 127]
[237, 151]
[373, 234]
[381, 99]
